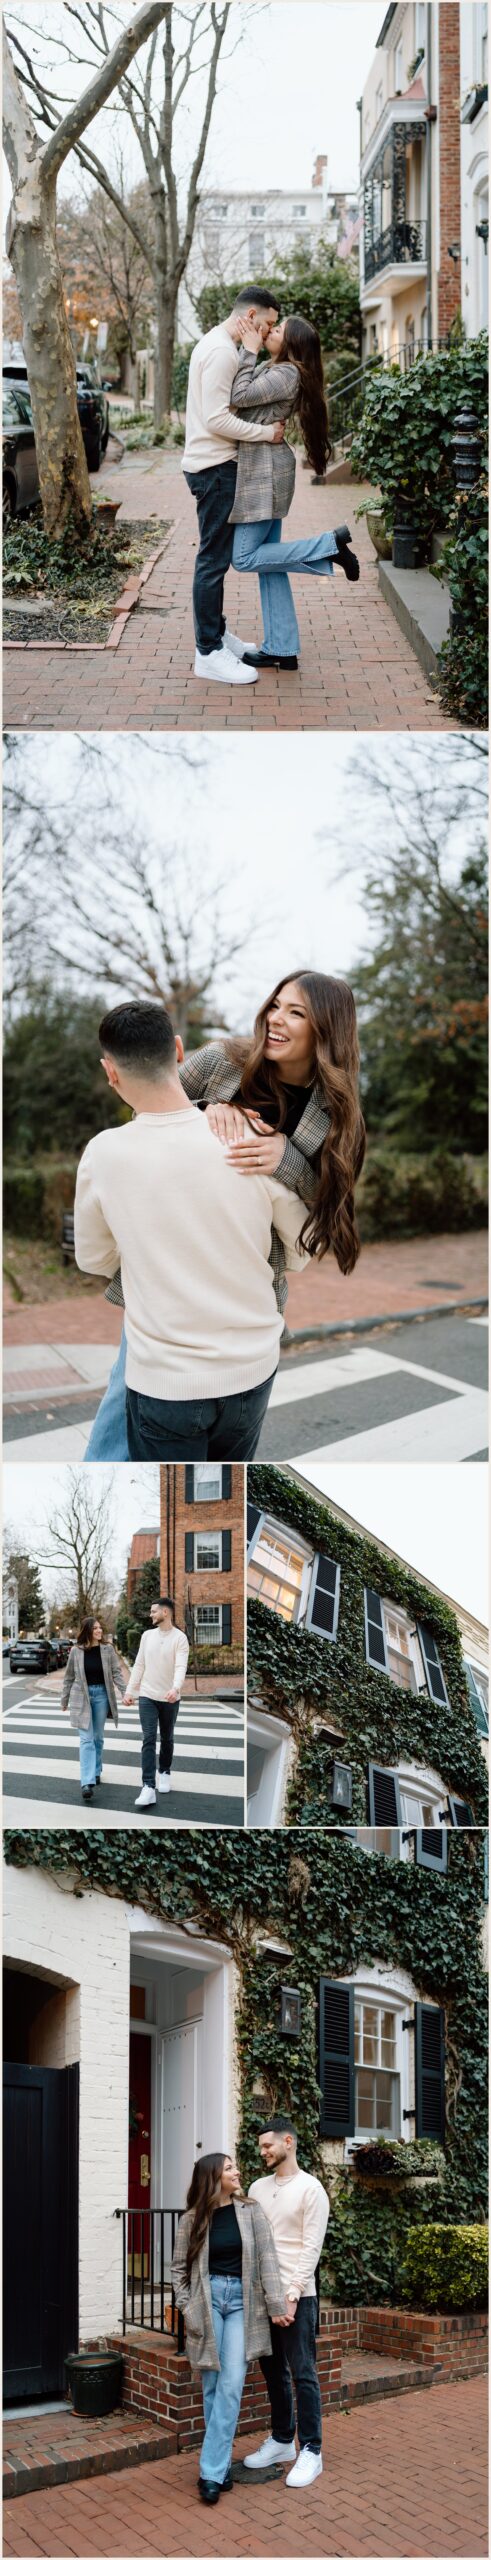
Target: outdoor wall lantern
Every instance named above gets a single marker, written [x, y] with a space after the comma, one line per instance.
[342, 1785]
[291, 2011]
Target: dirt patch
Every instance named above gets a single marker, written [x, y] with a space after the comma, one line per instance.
[48, 597]
[34, 1271]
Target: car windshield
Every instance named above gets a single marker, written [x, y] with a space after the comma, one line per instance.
[16, 408]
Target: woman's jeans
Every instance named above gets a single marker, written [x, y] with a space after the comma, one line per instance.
[222, 2392]
[108, 1437]
[92, 1741]
[259, 547]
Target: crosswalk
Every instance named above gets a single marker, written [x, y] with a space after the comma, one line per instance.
[423, 1396]
[41, 1766]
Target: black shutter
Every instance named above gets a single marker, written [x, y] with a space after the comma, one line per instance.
[226, 1550]
[376, 1650]
[384, 1800]
[226, 1623]
[431, 1848]
[189, 1484]
[254, 1516]
[337, 2058]
[226, 1484]
[322, 1613]
[430, 2072]
[476, 1701]
[434, 1674]
[189, 1551]
[460, 1814]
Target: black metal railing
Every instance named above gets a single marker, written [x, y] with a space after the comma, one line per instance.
[401, 244]
[346, 399]
[149, 2302]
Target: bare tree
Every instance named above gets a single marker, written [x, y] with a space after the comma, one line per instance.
[34, 168]
[79, 1536]
[103, 266]
[153, 96]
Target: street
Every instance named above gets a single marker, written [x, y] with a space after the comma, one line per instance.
[41, 1763]
[417, 1391]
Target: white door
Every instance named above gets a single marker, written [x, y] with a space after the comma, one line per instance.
[181, 2114]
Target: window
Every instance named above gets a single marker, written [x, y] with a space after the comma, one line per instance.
[420, 26]
[208, 1552]
[379, 100]
[207, 1483]
[377, 2078]
[400, 1649]
[478, 1686]
[257, 249]
[282, 1572]
[406, 1798]
[219, 211]
[208, 1624]
[399, 65]
[258, 212]
[408, 1653]
[299, 208]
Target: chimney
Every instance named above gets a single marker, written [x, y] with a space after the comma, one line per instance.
[320, 166]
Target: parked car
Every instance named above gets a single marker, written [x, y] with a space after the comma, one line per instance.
[33, 1653]
[92, 404]
[63, 1648]
[20, 470]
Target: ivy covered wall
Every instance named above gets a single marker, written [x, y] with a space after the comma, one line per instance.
[334, 1908]
[300, 1676]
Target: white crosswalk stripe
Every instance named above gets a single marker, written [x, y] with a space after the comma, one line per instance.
[393, 1406]
[207, 1772]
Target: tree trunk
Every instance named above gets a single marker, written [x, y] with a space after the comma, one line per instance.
[31, 243]
[164, 350]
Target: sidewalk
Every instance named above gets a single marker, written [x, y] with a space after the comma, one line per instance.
[413, 2486]
[357, 669]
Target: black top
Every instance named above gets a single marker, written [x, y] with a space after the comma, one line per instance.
[296, 1098]
[93, 1666]
[225, 2243]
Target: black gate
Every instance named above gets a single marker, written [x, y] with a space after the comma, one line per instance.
[40, 2248]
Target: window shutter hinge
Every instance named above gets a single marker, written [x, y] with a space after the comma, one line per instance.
[408, 2111]
[408, 2028]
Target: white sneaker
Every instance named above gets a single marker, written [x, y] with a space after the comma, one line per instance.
[164, 1781]
[305, 2469]
[269, 2452]
[221, 667]
[148, 1796]
[238, 647]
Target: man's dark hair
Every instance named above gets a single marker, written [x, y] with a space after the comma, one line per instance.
[165, 1603]
[279, 2124]
[139, 1036]
[256, 293]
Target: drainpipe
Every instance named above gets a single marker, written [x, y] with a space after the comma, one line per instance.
[429, 173]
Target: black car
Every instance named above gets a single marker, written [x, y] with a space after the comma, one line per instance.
[20, 470]
[33, 1653]
[92, 404]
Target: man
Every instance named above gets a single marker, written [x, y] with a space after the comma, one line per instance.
[297, 2208]
[156, 1680]
[210, 464]
[193, 1239]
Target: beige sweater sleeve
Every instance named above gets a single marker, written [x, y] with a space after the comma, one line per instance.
[288, 1216]
[95, 1248]
[217, 417]
[315, 2213]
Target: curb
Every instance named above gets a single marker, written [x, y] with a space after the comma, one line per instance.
[378, 1324]
[54, 2473]
[125, 604]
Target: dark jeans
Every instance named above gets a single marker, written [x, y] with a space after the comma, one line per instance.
[216, 1427]
[214, 492]
[152, 1716]
[293, 2353]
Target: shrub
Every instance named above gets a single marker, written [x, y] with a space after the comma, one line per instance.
[404, 440]
[463, 663]
[23, 1195]
[446, 2266]
[409, 1195]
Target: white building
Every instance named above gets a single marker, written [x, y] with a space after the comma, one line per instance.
[241, 232]
[410, 180]
[474, 165]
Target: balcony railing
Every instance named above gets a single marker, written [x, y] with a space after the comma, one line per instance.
[149, 2233]
[401, 244]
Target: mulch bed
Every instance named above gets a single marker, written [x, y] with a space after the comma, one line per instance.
[40, 617]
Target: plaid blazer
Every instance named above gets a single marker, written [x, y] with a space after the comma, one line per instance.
[208, 1076]
[265, 472]
[261, 2287]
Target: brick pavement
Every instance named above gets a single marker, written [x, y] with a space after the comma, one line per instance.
[410, 2485]
[357, 669]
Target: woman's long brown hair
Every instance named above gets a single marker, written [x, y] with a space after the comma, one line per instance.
[330, 1224]
[301, 346]
[202, 2196]
[85, 1632]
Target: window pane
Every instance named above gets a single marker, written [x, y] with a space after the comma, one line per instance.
[388, 2037]
[384, 2106]
[357, 2031]
[207, 1483]
[365, 2112]
[207, 1554]
[370, 2035]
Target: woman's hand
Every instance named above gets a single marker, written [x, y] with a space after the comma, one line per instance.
[254, 1154]
[226, 1121]
[250, 336]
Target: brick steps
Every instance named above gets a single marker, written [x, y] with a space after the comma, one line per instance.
[42, 2453]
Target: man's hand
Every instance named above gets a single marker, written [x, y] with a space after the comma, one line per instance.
[172, 1699]
[288, 2315]
[127, 1698]
[249, 336]
[278, 431]
[226, 1121]
[253, 1154]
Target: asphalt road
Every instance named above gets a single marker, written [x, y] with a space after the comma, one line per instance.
[41, 1763]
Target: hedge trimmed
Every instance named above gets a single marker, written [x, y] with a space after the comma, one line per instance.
[446, 2266]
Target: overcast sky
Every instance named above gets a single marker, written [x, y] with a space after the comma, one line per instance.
[435, 1516]
[32, 1494]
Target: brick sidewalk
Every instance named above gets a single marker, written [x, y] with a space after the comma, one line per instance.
[413, 2486]
[357, 670]
[390, 1279]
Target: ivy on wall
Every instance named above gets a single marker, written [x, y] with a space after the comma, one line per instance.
[300, 1675]
[334, 1908]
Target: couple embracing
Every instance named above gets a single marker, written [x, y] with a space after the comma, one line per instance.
[244, 2277]
[247, 379]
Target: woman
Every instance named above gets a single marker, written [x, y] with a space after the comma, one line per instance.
[92, 1677]
[226, 2279]
[285, 1102]
[290, 386]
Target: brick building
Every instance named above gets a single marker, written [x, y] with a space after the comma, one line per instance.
[410, 144]
[201, 1548]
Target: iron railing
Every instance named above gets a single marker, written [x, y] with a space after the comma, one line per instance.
[346, 399]
[149, 2302]
[401, 244]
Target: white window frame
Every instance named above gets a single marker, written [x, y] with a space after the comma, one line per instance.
[376, 2133]
[265, 1732]
[206, 1466]
[420, 27]
[208, 1537]
[389, 1987]
[215, 1634]
[399, 61]
[416, 1784]
[481, 1678]
[391, 1609]
[279, 1529]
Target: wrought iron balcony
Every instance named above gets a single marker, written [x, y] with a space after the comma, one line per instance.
[402, 244]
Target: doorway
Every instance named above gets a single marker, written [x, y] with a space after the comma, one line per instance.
[40, 2184]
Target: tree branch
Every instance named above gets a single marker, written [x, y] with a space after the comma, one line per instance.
[69, 133]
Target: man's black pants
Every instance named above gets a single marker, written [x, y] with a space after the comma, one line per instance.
[214, 492]
[293, 2354]
[154, 1718]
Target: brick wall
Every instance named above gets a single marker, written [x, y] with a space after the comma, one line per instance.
[449, 275]
[179, 1517]
[456, 2342]
[159, 2383]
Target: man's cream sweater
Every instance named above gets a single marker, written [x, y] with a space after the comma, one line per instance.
[298, 2211]
[193, 1238]
[161, 1664]
[213, 430]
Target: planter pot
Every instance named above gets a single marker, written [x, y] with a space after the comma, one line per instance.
[377, 529]
[404, 547]
[95, 2381]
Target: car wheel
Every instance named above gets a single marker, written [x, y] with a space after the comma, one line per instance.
[93, 452]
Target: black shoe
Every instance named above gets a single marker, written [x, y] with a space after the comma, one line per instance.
[87, 1794]
[264, 659]
[227, 2483]
[98, 1782]
[209, 2491]
[348, 560]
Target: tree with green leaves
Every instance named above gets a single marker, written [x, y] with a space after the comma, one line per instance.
[134, 1614]
[18, 1560]
[323, 287]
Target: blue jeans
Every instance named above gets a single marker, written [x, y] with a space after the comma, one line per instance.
[211, 1427]
[259, 547]
[108, 1437]
[222, 2392]
[92, 1741]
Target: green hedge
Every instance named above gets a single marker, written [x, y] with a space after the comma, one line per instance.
[463, 662]
[404, 441]
[36, 1196]
[411, 1195]
[446, 2267]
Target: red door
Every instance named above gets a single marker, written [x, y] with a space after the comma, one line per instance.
[139, 2166]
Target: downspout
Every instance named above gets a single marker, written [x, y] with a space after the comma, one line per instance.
[429, 172]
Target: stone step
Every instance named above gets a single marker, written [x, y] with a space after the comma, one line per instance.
[421, 607]
[45, 2452]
